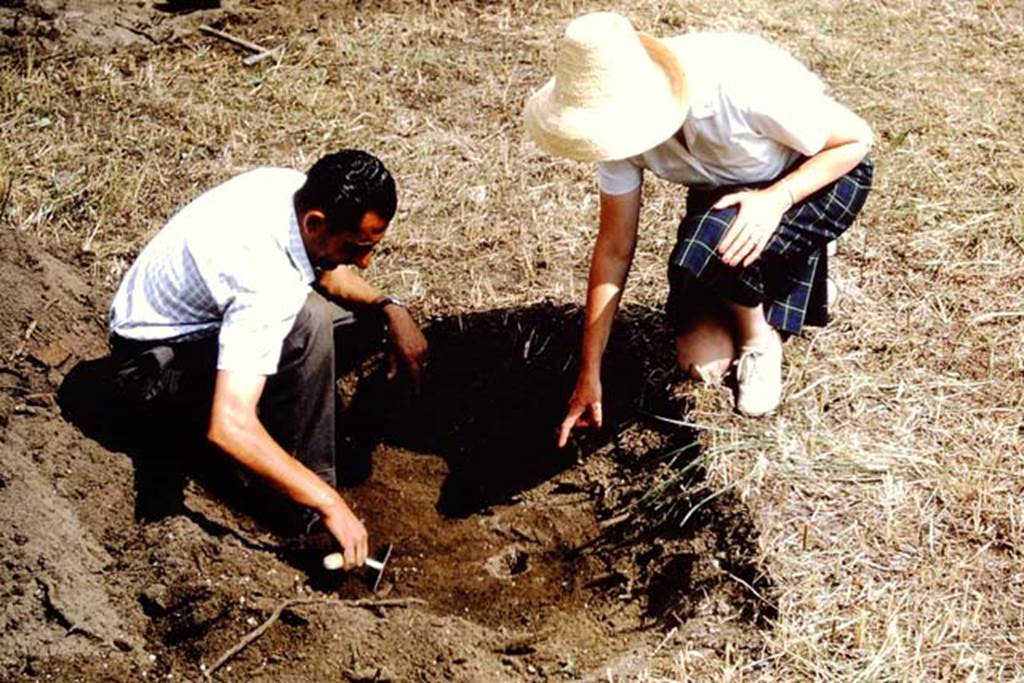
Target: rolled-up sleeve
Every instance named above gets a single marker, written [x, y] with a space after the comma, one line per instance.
[618, 177]
[259, 299]
[799, 121]
[253, 331]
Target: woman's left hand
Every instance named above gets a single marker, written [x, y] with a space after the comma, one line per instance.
[759, 215]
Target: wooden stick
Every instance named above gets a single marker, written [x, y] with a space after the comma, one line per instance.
[234, 40]
[137, 31]
[276, 614]
[259, 57]
[24, 342]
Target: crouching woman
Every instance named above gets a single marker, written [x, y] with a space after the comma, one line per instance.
[775, 168]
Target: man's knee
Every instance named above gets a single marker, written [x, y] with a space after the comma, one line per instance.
[312, 333]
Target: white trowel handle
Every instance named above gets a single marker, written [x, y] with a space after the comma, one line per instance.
[337, 561]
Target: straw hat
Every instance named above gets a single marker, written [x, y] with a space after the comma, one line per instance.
[616, 93]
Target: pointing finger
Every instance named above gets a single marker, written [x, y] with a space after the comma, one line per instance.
[567, 424]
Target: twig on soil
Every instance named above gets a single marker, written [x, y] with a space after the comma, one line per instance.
[254, 634]
[668, 636]
[261, 52]
[267, 54]
[137, 31]
[810, 387]
[612, 521]
[24, 342]
[234, 40]
[995, 315]
[745, 584]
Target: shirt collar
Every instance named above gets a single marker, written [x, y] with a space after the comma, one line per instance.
[297, 250]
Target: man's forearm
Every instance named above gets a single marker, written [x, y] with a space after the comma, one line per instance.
[248, 442]
[345, 285]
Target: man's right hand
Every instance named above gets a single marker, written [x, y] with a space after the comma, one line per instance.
[584, 408]
[348, 530]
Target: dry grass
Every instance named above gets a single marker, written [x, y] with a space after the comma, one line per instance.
[888, 493]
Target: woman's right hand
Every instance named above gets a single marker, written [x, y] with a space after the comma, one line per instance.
[584, 408]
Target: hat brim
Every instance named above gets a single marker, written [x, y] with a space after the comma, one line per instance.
[615, 129]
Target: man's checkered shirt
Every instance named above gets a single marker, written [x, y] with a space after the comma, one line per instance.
[231, 263]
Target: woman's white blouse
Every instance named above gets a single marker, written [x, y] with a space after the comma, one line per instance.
[754, 111]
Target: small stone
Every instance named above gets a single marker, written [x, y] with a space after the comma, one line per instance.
[54, 354]
[156, 599]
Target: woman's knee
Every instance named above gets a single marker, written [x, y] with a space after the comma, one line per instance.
[705, 349]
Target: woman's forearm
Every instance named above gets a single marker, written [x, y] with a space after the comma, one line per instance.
[847, 145]
[822, 169]
[603, 295]
[609, 268]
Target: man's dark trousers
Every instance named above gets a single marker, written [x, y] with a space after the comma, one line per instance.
[170, 385]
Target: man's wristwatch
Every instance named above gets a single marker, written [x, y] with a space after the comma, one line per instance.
[386, 299]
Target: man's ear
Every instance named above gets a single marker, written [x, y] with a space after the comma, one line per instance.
[313, 222]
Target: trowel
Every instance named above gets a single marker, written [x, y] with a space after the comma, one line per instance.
[376, 565]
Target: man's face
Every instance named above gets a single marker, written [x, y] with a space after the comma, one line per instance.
[328, 251]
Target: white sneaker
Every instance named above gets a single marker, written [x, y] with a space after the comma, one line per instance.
[759, 378]
[831, 292]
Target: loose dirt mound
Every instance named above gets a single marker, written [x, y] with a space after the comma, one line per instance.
[60, 25]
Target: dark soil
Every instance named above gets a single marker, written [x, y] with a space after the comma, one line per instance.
[499, 532]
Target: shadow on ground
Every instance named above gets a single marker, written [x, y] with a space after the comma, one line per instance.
[489, 517]
[167, 453]
[492, 399]
[490, 406]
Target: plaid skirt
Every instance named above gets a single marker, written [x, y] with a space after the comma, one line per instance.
[789, 278]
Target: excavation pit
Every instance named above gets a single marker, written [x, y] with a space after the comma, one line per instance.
[493, 523]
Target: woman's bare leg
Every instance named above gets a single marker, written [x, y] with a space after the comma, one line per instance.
[704, 345]
[752, 328]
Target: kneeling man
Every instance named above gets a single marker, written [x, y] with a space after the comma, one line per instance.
[240, 293]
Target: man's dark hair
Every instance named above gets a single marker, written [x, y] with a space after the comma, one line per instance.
[345, 185]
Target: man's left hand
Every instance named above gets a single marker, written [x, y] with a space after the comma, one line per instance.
[758, 217]
[408, 345]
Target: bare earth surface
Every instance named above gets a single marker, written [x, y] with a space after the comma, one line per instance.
[497, 532]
